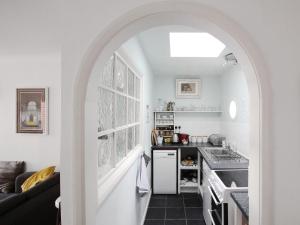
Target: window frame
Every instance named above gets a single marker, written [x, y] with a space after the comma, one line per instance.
[107, 182]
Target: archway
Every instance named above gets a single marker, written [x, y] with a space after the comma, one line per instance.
[225, 29]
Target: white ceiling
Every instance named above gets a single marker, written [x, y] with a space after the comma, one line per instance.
[155, 43]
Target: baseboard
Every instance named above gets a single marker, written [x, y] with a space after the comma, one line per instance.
[147, 206]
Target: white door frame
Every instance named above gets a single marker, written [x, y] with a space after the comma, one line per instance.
[236, 38]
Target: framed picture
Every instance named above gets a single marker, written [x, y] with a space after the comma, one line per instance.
[188, 88]
[32, 110]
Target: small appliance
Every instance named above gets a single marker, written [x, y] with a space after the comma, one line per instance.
[183, 138]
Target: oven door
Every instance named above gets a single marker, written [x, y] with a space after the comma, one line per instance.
[216, 211]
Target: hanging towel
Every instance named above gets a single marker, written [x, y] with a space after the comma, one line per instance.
[142, 185]
[147, 159]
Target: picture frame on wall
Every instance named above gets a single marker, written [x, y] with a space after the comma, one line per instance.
[32, 110]
[188, 88]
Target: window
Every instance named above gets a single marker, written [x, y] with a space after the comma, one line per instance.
[118, 114]
[194, 45]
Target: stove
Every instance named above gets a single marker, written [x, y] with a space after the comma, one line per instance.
[220, 185]
[223, 182]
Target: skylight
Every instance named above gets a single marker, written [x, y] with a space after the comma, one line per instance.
[195, 45]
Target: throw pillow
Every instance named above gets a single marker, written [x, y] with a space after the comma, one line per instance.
[37, 177]
[9, 170]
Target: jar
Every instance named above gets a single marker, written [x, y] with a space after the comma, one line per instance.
[193, 139]
[199, 139]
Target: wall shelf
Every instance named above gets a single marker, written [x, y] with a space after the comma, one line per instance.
[188, 111]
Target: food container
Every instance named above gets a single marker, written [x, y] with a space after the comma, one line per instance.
[199, 139]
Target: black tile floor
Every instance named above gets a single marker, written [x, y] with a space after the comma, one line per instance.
[184, 209]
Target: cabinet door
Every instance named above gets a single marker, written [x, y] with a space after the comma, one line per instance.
[206, 200]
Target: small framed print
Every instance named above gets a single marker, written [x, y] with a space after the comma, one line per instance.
[32, 110]
[188, 88]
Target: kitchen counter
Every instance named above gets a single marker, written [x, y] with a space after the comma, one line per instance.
[224, 164]
[242, 201]
[179, 145]
[213, 164]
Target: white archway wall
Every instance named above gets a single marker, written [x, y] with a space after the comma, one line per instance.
[191, 20]
[93, 20]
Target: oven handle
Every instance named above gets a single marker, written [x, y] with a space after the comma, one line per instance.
[211, 217]
[213, 196]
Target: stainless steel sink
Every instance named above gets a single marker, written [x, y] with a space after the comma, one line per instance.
[222, 154]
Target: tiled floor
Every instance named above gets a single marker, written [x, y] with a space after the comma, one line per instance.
[184, 209]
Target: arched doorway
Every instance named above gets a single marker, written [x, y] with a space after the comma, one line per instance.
[219, 25]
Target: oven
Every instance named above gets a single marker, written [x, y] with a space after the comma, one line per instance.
[219, 210]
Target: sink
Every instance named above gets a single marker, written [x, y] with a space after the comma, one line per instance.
[217, 151]
[217, 154]
[240, 177]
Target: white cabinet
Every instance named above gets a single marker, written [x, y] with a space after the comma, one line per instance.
[164, 171]
[206, 194]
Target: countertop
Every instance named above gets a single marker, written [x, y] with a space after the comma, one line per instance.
[242, 201]
[214, 165]
[179, 145]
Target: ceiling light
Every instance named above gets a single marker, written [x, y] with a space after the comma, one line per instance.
[195, 45]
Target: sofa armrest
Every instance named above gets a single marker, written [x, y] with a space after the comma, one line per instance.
[20, 180]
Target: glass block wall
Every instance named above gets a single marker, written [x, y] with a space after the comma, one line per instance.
[118, 113]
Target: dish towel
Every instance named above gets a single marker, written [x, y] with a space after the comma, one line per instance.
[142, 185]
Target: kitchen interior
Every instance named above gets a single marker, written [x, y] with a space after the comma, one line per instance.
[198, 129]
[200, 137]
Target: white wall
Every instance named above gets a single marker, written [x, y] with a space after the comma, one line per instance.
[18, 71]
[123, 206]
[274, 23]
[234, 87]
[198, 124]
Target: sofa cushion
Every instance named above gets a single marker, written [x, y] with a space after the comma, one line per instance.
[20, 180]
[9, 170]
[43, 186]
[38, 177]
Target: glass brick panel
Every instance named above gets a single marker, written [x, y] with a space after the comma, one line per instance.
[131, 111]
[137, 87]
[120, 76]
[121, 110]
[137, 135]
[105, 146]
[131, 143]
[131, 78]
[137, 111]
[120, 145]
[105, 109]
[106, 77]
